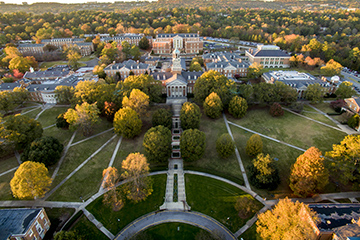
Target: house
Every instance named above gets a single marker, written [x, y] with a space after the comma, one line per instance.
[269, 56]
[187, 43]
[297, 80]
[125, 68]
[353, 104]
[23, 223]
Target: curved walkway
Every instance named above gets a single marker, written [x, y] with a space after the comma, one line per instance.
[193, 218]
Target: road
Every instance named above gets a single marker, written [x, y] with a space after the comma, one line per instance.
[351, 78]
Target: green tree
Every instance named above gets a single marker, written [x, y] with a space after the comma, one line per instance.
[127, 123]
[245, 206]
[238, 107]
[225, 145]
[61, 121]
[213, 105]
[143, 82]
[255, 70]
[20, 95]
[135, 52]
[212, 81]
[345, 90]
[136, 169]
[45, 150]
[315, 93]
[144, 43]
[84, 116]
[353, 122]
[308, 174]
[266, 93]
[30, 180]
[162, 117]
[20, 130]
[7, 103]
[190, 116]
[67, 235]
[192, 144]
[263, 172]
[254, 145]
[64, 94]
[331, 68]
[195, 67]
[157, 144]
[126, 47]
[288, 220]
[138, 101]
[286, 93]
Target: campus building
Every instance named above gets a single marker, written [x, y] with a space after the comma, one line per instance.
[31, 49]
[229, 68]
[131, 38]
[187, 43]
[125, 68]
[23, 223]
[269, 56]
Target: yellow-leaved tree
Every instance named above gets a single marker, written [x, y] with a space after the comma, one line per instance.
[113, 196]
[31, 180]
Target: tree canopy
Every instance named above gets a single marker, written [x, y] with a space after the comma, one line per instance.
[162, 117]
[254, 145]
[238, 107]
[225, 146]
[331, 68]
[113, 196]
[315, 93]
[345, 90]
[127, 123]
[192, 144]
[138, 101]
[213, 105]
[190, 116]
[157, 144]
[263, 172]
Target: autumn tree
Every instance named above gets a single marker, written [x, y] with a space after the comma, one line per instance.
[20, 95]
[331, 68]
[84, 116]
[162, 117]
[138, 101]
[190, 116]
[127, 123]
[255, 70]
[30, 180]
[225, 146]
[45, 150]
[195, 67]
[308, 174]
[61, 121]
[192, 144]
[353, 121]
[288, 220]
[254, 145]
[113, 196]
[144, 82]
[135, 52]
[144, 43]
[276, 110]
[245, 206]
[238, 107]
[345, 158]
[263, 172]
[314, 93]
[157, 144]
[64, 94]
[7, 103]
[73, 57]
[345, 90]
[136, 169]
[110, 109]
[213, 105]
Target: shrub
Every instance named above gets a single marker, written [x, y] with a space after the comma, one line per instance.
[238, 107]
[338, 104]
[192, 144]
[225, 145]
[276, 110]
[353, 122]
[254, 145]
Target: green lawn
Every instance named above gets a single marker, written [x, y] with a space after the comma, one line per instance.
[172, 231]
[313, 114]
[32, 113]
[210, 161]
[87, 230]
[86, 182]
[216, 199]
[130, 211]
[63, 135]
[101, 126]
[250, 234]
[87, 58]
[46, 65]
[48, 117]
[5, 191]
[8, 163]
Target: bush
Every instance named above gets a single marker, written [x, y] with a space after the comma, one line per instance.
[61, 121]
[353, 122]
[297, 107]
[192, 144]
[276, 110]
[238, 107]
[225, 145]
[263, 173]
[254, 145]
[190, 116]
[213, 105]
[337, 105]
[162, 117]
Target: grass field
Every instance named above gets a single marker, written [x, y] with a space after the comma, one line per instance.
[130, 211]
[31, 113]
[172, 231]
[5, 191]
[99, 127]
[216, 199]
[87, 230]
[46, 65]
[250, 234]
[63, 135]
[313, 114]
[8, 163]
[48, 117]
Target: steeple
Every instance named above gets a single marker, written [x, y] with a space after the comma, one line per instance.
[176, 62]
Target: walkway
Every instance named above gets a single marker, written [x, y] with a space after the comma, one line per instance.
[193, 218]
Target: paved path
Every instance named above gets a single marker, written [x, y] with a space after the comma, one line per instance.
[49, 126]
[193, 218]
[44, 108]
[30, 110]
[242, 168]
[94, 136]
[98, 224]
[8, 171]
[17, 155]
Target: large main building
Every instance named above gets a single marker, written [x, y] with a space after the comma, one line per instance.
[188, 43]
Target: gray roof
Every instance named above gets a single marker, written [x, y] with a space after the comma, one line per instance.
[184, 76]
[16, 221]
[9, 86]
[52, 73]
[222, 55]
[224, 64]
[269, 53]
[130, 64]
[63, 40]
[170, 35]
[31, 45]
[357, 100]
[294, 79]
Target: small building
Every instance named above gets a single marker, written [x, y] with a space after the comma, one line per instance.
[270, 56]
[125, 68]
[23, 223]
[297, 80]
[353, 104]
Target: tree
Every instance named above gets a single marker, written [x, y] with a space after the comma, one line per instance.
[7, 102]
[192, 144]
[195, 67]
[85, 116]
[288, 220]
[255, 70]
[113, 196]
[110, 109]
[135, 52]
[30, 180]
[143, 82]
[286, 93]
[238, 107]
[213, 105]
[19, 63]
[345, 158]
[64, 94]
[245, 206]
[331, 68]
[73, 57]
[162, 117]
[136, 169]
[263, 172]
[126, 47]
[67, 235]
[45, 150]
[127, 123]
[20, 95]
[345, 90]
[225, 145]
[353, 122]
[190, 116]
[144, 43]
[61, 121]
[314, 93]
[138, 101]
[212, 81]
[308, 174]
[254, 145]
[20, 130]
[86, 91]
[157, 144]
[276, 110]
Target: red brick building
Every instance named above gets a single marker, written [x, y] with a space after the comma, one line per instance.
[188, 43]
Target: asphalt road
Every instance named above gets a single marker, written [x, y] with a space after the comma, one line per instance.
[352, 78]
